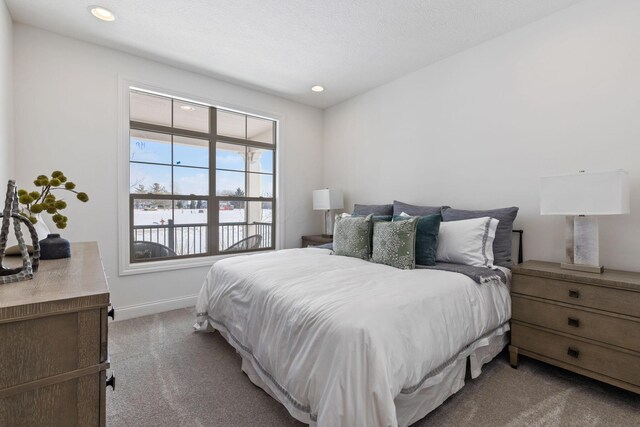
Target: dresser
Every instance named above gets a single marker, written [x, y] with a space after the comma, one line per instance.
[584, 322]
[53, 343]
[315, 240]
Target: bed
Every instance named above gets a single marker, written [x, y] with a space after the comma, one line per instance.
[340, 341]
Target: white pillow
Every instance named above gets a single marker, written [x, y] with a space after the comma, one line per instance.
[468, 241]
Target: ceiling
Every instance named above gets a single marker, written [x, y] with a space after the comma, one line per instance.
[283, 47]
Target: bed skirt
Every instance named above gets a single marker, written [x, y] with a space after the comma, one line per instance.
[412, 404]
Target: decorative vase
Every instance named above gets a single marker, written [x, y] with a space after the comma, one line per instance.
[54, 247]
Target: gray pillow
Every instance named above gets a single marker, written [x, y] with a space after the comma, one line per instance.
[351, 236]
[377, 218]
[413, 210]
[373, 209]
[502, 241]
[394, 243]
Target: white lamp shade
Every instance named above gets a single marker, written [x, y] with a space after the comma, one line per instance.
[327, 199]
[593, 193]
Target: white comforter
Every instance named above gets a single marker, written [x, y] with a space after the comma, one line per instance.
[338, 338]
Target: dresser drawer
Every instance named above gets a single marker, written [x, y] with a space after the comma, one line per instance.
[603, 298]
[76, 402]
[618, 331]
[49, 345]
[615, 364]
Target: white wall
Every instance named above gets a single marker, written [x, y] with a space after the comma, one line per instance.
[478, 129]
[6, 99]
[66, 99]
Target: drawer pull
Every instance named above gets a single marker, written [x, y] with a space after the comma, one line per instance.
[572, 321]
[111, 381]
[573, 352]
[112, 313]
[574, 294]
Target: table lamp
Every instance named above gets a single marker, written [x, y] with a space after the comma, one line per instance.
[327, 200]
[581, 197]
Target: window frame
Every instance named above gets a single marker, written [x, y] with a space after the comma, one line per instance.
[127, 265]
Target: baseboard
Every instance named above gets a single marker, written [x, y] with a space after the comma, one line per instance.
[138, 310]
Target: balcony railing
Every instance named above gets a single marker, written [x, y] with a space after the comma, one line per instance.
[191, 239]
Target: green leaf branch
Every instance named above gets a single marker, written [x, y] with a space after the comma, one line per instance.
[36, 202]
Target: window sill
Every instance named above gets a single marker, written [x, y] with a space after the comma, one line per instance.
[130, 269]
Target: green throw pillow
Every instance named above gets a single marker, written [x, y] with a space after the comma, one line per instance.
[426, 237]
[376, 218]
[394, 243]
[351, 236]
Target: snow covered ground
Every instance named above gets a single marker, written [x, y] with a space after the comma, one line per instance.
[190, 216]
[190, 239]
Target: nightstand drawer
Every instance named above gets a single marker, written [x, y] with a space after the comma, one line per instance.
[603, 298]
[606, 361]
[617, 331]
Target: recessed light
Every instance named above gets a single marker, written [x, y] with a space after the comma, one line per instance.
[187, 108]
[102, 14]
[317, 88]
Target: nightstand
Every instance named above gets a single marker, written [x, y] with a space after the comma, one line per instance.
[315, 240]
[587, 323]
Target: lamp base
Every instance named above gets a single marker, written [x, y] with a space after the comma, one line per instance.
[328, 223]
[582, 245]
[583, 268]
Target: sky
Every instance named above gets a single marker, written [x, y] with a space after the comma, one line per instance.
[192, 180]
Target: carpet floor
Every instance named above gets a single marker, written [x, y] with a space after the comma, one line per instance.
[167, 375]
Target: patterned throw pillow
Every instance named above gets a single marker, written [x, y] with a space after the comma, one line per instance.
[351, 236]
[394, 243]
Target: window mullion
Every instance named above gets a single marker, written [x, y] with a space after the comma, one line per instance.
[149, 127]
[273, 189]
[212, 205]
[245, 142]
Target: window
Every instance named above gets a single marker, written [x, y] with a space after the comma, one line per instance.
[201, 179]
